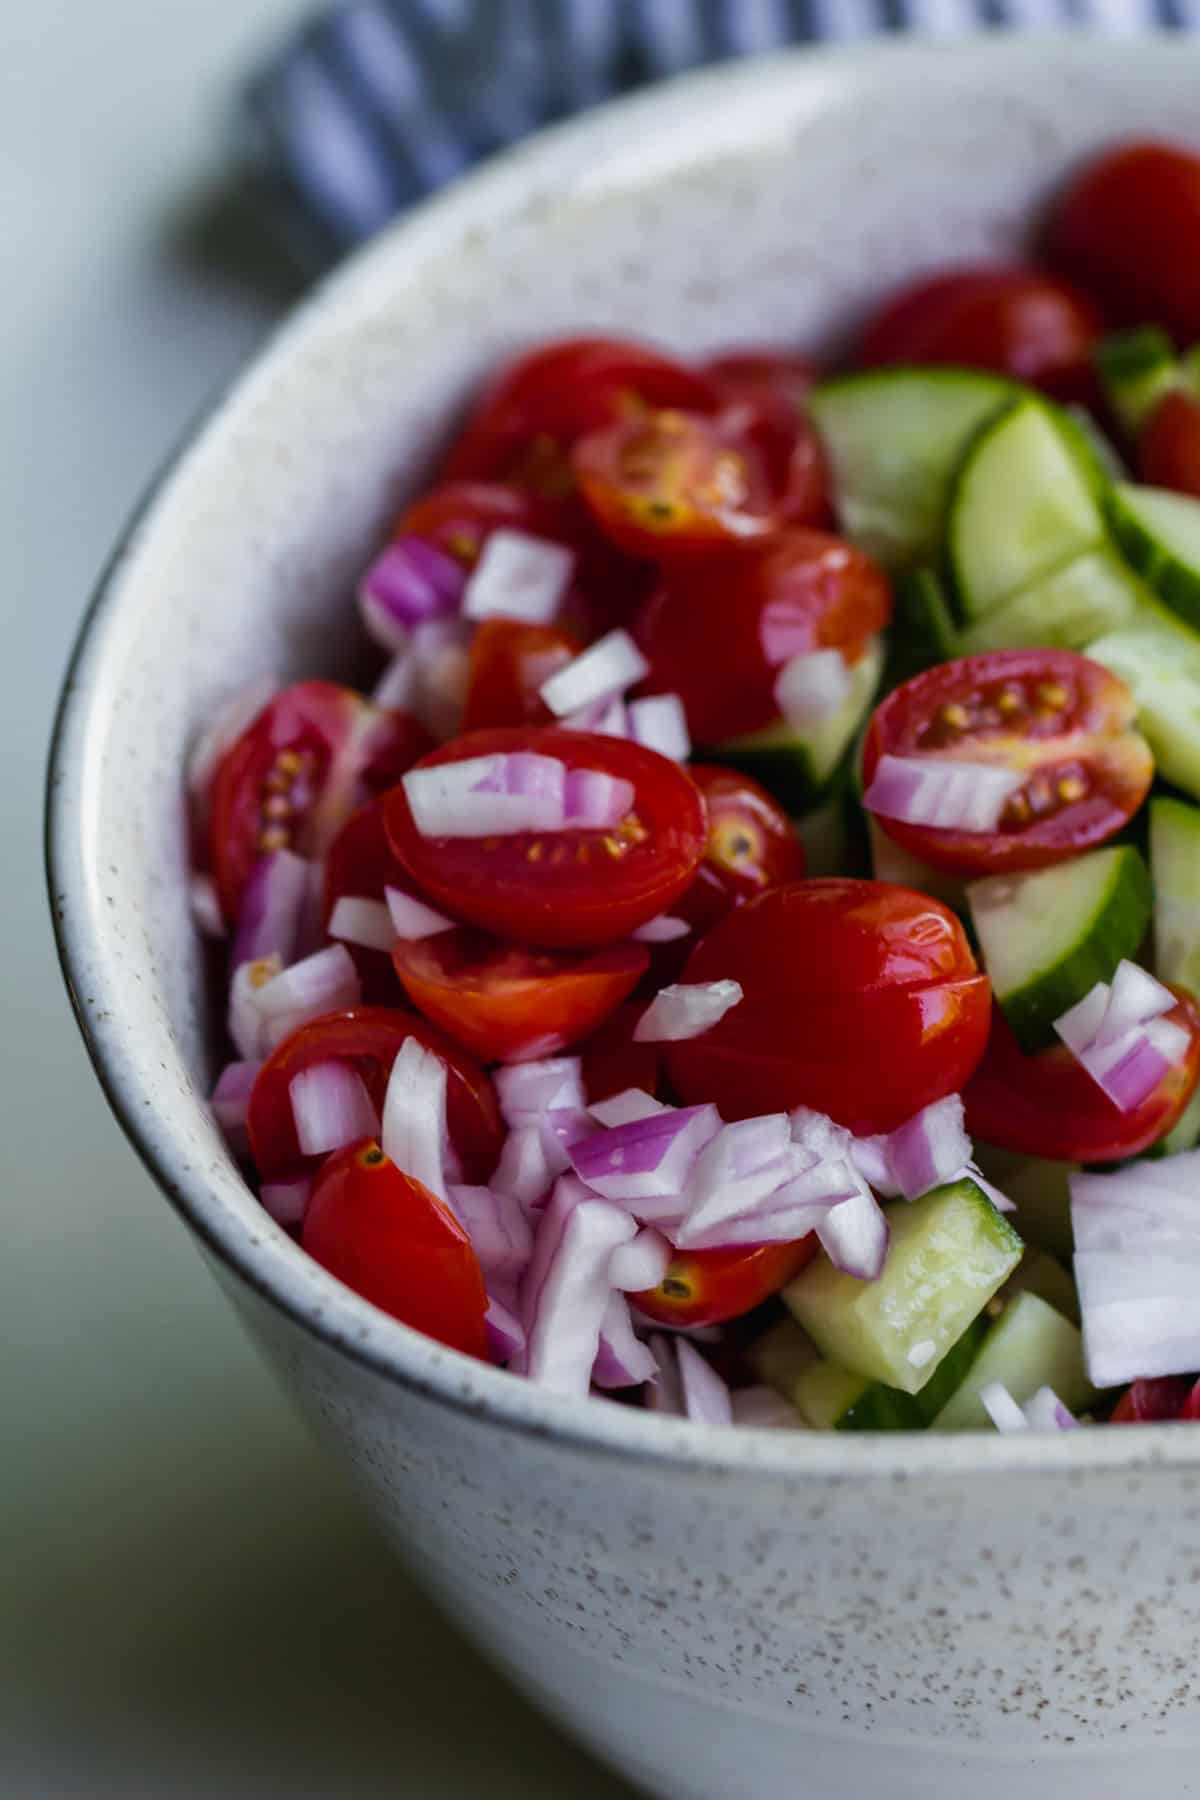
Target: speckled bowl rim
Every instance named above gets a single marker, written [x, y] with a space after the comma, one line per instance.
[271, 1265]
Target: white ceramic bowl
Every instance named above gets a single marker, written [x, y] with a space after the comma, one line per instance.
[718, 1613]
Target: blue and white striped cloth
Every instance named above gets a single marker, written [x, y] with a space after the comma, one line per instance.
[381, 100]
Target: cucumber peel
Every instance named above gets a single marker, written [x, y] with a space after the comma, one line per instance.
[1159, 532]
[1136, 369]
[1029, 1346]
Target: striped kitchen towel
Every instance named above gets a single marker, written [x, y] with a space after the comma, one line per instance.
[379, 101]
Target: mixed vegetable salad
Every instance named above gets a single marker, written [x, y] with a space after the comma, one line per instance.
[741, 958]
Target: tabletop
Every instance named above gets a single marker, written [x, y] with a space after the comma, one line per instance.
[191, 1603]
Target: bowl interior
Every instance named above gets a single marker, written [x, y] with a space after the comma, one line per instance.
[761, 203]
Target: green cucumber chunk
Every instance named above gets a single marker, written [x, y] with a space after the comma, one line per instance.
[1160, 662]
[1040, 1194]
[1136, 369]
[1175, 866]
[832, 1399]
[892, 862]
[1022, 504]
[1042, 1274]
[1065, 610]
[781, 1355]
[1048, 937]
[923, 632]
[798, 766]
[949, 1253]
[1159, 531]
[1028, 1347]
[892, 438]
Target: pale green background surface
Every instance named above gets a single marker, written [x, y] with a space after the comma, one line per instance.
[189, 1603]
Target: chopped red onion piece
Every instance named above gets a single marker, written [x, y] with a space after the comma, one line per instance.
[206, 905]
[762, 1409]
[869, 1156]
[1046, 1412]
[625, 1107]
[244, 1021]
[817, 1133]
[971, 1171]
[706, 1398]
[606, 718]
[287, 1201]
[325, 982]
[560, 1128]
[743, 1165]
[1130, 1069]
[1001, 1408]
[524, 1170]
[647, 1158]
[930, 790]
[622, 1360]
[271, 909]
[929, 1148]
[1119, 1035]
[1134, 999]
[663, 930]
[232, 718]
[519, 577]
[330, 1108]
[811, 686]
[566, 1291]
[641, 1263]
[505, 1332]
[659, 722]
[1081, 1024]
[595, 801]
[609, 666]
[414, 1116]
[663, 1393]
[231, 1096]
[1140, 1310]
[489, 796]
[772, 1225]
[411, 918]
[526, 1090]
[429, 678]
[686, 1010]
[356, 920]
[854, 1236]
[409, 582]
[499, 1229]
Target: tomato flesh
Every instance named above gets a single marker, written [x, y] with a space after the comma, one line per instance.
[567, 889]
[717, 633]
[1169, 450]
[392, 1241]
[1064, 723]
[508, 1004]
[509, 662]
[706, 1287]
[860, 999]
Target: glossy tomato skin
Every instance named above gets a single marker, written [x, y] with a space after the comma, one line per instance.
[392, 1241]
[707, 1287]
[507, 1004]
[774, 382]
[1169, 449]
[509, 662]
[360, 864]
[1015, 321]
[1158, 1400]
[369, 1037]
[460, 516]
[763, 394]
[718, 633]
[1127, 231]
[860, 999]
[1060, 719]
[613, 1060]
[296, 774]
[569, 889]
[1048, 1105]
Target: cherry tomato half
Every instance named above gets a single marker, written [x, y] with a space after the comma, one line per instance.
[543, 403]
[1169, 449]
[567, 889]
[752, 845]
[392, 1241]
[509, 663]
[370, 1038]
[775, 383]
[296, 774]
[706, 1287]
[506, 1003]
[1162, 1398]
[1064, 723]
[1048, 1105]
[860, 999]
[460, 516]
[717, 633]
[360, 864]
[613, 1061]
[763, 394]
[1018, 322]
[1127, 229]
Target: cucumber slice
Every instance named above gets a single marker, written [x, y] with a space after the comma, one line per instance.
[1029, 1346]
[1160, 661]
[1159, 531]
[798, 766]
[1066, 609]
[1048, 937]
[893, 438]
[1175, 866]
[1021, 506]
[1136, 369]
[833, 1399]
[923, 632]
[1042, 1274]
[949, 1253]
[1040, 1194]
[892, 862]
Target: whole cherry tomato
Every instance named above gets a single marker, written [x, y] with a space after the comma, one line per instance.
[1063, 723]
[1048, 1105]
[577, 888]
[718, 632]
[506, 1003]
[392, 1241]
[860, 999]
[509, 663]
[360, 864]
[1127, 230]
[613, 1060]
[1169, 447]
[293, 778]
[1015, 321]
[706, 1287]
[369, 1038]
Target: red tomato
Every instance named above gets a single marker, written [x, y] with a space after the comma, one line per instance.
[1169, 448]
[706, 1287]
[392, 1241]
[548, 399]
[370, 1037]
[717, 633]
[568, 889]
[613, 1062]
[1062, 722]
[293, 778]
[1166, 1397]
[509, 663]
[1127, 229]
[508, 1004]
[764, 394]
[1048, 1105]
[860, 999]
[772, 381]
[1018, 322]
[360, 864]
[752, 845]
